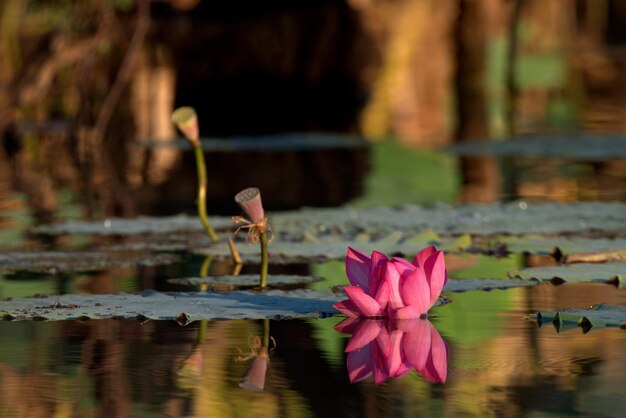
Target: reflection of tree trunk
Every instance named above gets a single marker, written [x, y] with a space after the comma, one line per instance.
[480, 175]
[153, 101]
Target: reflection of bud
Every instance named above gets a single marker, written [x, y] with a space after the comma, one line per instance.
[186, 120]
[250, 201]
[254, 378]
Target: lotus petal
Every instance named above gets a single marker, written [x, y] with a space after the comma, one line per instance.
[358, 268]
[364, 304]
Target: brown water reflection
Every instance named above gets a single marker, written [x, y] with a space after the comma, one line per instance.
[510, 367]
[85, 83]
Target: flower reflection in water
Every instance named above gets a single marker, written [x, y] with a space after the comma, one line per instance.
[392, 348]
[254, 377]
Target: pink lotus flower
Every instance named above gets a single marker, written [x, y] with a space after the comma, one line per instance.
[392, 288]
[392, 349]
[369, 294]
[415, 286]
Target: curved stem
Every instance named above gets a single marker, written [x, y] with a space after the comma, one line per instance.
[264, 260]
[202, 181]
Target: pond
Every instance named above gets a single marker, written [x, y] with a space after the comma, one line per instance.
[385, 127]
[498, 364]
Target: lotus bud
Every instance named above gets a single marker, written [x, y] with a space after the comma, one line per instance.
[250, 201]
[186, 119]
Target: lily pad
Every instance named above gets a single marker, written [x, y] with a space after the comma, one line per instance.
[544, 218]
[598, 316]
[80, 260]
[565, 244]
[184, 307]
[245, 280]
[611, 272]
[334, 247]
[139, 225]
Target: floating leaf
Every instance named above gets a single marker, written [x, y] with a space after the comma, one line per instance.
[567, 245]
[611, 272]
[411, 219]
[272, 304]
[245, 280]
[598, 316]
[80, 260]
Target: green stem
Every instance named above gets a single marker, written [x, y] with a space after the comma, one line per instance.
[202, 181]
[264, 260]
[266, 333]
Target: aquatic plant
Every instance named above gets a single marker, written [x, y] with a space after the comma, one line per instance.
[254, 377]
[393, 288]
[250, 201]
[186, 119]
[390, 349]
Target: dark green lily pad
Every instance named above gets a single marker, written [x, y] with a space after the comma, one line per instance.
[611, 272]
[598, 316]
[544, 218]
[245, 280]
[80, 260]
[335, 247]
[586, 147]
[567, 245]
[140, 225]
[184, 307]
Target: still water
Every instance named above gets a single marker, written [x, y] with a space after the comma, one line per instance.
[498, 364]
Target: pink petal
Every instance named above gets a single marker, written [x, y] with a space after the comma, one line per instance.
[392, 277]
[348, 325]
[377, 271]
[347, 307]
[358, 268]
[365, 305]
[365, 332]
[394, 358]
[436, 367]
[359, 364]
[408, 312]
[421, 257]
[415, 291]
[382, 294]
[416, 344]
[436, 274]
[379, 363]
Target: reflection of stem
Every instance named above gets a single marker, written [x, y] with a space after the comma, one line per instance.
[206, 264]
[234, 253]
[201, 331]
[266, 333]
[202, 182]
[264, 260]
